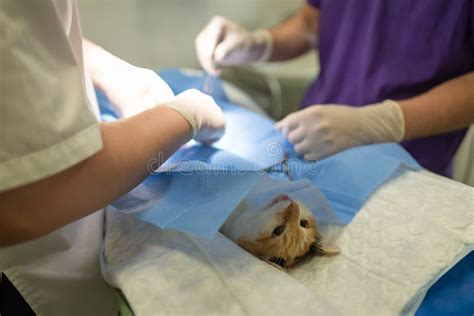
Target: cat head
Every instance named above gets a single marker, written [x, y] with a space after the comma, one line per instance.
[282, 233]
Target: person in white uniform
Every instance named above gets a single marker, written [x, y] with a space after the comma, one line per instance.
[59, 166]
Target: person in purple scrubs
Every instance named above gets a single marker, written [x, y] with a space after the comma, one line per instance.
[391, 71]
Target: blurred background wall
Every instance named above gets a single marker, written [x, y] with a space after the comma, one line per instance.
[161, 33]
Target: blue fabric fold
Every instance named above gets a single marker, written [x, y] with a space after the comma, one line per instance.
[191, 201]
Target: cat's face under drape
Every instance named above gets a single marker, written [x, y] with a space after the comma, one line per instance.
[281, 233]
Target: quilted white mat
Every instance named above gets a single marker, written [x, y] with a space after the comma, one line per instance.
[406, 236]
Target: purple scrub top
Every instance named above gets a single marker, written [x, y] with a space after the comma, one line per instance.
[372, 50]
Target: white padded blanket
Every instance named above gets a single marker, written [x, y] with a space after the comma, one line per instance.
[411, 231]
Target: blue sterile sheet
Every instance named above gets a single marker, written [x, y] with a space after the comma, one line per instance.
[347, 179]
[189, 201]
[253, 145]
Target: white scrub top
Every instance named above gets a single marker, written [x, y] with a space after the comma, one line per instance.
[48, 123]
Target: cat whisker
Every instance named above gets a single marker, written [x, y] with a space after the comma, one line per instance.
[278, 261]
[315, 247]
[282, 262]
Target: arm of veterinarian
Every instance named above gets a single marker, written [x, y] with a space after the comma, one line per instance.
[130, 89]
[224, 42]
[73, 165]
[322, 130]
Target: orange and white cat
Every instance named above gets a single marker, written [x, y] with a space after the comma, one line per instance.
[281, 233]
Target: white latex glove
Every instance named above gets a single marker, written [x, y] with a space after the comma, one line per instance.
[202, 113]
[223, 42]
[323, 130]
[133, 89]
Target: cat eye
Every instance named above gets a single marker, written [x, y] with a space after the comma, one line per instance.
[304, 223]
[278, 230]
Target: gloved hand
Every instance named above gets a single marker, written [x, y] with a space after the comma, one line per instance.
[133, 89]
[323, 130]
[223, 42]
[202, 113]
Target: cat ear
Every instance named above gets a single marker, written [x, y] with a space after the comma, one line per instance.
[330, 250]
[325, 249]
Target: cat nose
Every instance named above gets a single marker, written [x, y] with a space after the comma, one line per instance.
[294, 206]
[282, 198]
[293, 213]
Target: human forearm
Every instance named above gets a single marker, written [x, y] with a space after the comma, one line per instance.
[130, 89]
[128, 145]
[295, 36]
[447, 107]
[225, 43]
[101, 64]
